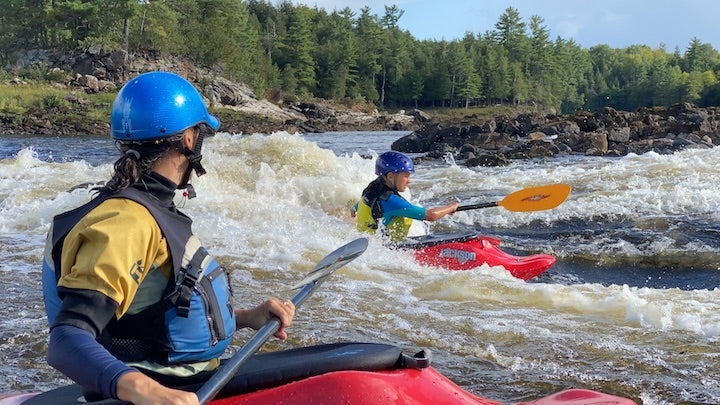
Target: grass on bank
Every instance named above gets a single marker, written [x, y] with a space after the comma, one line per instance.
[16, 101]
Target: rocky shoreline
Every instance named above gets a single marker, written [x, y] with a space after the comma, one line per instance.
[609, 132]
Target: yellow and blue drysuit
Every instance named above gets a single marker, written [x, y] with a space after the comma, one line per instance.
[127, 286]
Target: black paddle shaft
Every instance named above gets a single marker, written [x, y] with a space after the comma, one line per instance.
[221, 377]
[476, 206]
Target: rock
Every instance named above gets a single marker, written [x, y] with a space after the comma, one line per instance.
[487, 160]
[559, 126]
[417, 141]
[419, 116]
[90, 83]
[491, 141]
[537, 136]
[468, 148]
[619, 135]
[104, 85]
[489, 126]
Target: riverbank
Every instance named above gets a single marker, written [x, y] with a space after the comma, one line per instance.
[477, 137]
[52, 109]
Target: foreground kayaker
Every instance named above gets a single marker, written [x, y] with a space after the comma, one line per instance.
[382, 199]
[135, 304]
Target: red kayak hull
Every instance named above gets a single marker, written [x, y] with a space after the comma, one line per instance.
[351, 373]
[466, 255]
[398, 387]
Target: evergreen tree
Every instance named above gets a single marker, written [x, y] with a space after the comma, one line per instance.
[369, 40]
[335, 56]
[299, 45]
[436, 84]
[519, 91]
[700, 57]
[393, 51]
[22, 26]
[499, 76]
[510, 33]
[541, 66]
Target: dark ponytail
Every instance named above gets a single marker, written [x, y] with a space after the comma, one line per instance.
[136, 160]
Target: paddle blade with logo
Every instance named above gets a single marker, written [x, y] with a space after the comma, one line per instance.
[528, 199]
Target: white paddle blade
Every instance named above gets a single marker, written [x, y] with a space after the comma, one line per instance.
[338, 258]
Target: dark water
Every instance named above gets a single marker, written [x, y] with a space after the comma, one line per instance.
[94, 150]
[371, 143]
[682, 269]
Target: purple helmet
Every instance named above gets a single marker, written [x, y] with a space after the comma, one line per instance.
[394, 162]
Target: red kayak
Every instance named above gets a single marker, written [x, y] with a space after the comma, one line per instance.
[340, 373]
[464, 251]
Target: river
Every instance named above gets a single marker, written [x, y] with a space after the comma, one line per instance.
[630, 308]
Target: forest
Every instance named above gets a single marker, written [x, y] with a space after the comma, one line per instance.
[294, 52]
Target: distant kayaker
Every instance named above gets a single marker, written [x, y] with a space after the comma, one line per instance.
[382, 206]
[134, 302]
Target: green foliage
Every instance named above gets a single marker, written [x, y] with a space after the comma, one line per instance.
[51, 102]
[291, 52]
[12, 105]
[57, 76]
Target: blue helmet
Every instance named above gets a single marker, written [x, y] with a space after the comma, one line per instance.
[394, 162]
[157, 105]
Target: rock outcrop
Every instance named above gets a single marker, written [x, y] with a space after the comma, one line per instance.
[606, 133]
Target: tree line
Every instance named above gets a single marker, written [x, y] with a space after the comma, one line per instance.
[294, 51]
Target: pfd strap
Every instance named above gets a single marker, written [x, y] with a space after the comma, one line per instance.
[189, 278]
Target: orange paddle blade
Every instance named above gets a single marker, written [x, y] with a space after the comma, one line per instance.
[536, 198]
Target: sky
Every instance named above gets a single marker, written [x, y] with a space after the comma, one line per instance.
[617, 23]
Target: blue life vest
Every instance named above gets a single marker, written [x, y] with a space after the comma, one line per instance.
[194, 321]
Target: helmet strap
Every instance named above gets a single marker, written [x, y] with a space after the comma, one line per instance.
[194, 156]
[386, 180]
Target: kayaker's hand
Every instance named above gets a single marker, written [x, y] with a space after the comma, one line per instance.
[433, 214]
[140, 389]
[257, 317]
